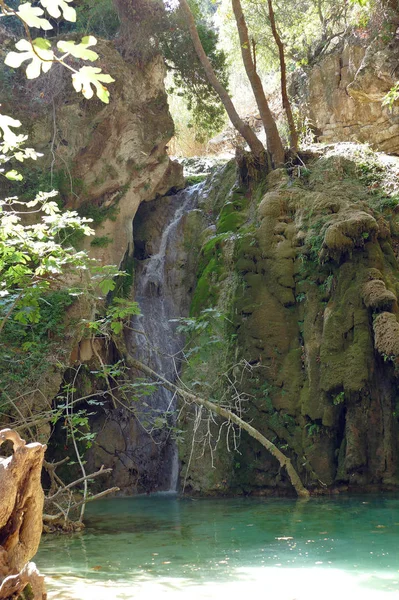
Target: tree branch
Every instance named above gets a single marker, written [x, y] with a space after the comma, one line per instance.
[102, 471]
[230, 416]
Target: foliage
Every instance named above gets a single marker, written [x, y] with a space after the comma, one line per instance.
[189, 79]
[98, 214]
[116, 314]
[41, 274]
[101, 241]
[339, 398]
[31, 259]
[206, 349]
[42, 55]
[306, 34]
[195, 179]
[23, 345]
[98, 17]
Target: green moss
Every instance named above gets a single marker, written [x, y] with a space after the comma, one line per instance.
[211, 249]
[222, 182]
[207, 290]
[346, 353]
[233, 214]
[194, 179]
[124, 282]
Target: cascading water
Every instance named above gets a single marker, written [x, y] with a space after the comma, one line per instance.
[161, 295]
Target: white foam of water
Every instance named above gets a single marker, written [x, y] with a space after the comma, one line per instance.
[271, 583]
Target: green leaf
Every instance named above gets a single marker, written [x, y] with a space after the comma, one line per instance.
[92, 76]
[80, 50]
[56, 7]
[117, 326]
[107, 285]
[14, 175]
[32, 16]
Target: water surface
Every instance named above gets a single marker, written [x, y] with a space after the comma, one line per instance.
[279, 549]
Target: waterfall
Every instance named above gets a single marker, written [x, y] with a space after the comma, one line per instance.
[154, 340]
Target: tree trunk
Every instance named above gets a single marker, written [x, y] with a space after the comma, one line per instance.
[274, 144]
[21, 507]
[230, 416]
[283, 71]
[249, 136]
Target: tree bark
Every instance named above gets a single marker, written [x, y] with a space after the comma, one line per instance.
[249, 136]
[21, 507]
[274, 144]
[230, 416]
[283, 72]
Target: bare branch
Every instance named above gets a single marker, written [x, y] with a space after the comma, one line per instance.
[230, 416]
[102, 471]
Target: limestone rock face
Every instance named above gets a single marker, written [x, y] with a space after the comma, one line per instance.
[105, 159]
[343, 97]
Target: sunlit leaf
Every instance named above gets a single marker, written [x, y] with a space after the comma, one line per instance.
[14, 175]
[39, 53]
[56, 7]
[92, 76]
[80, 50]
[32, 16]
[117, 327]
[5, 124]
[107, 285]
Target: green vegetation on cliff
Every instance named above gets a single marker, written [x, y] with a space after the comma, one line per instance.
[306, 281]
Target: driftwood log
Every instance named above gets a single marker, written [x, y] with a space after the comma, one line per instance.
[21, 508]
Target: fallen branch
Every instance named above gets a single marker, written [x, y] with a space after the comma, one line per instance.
[230, 416]
[113, 490]
[102, 471]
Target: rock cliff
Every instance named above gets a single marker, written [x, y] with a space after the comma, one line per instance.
[105, 160]
[304, 269]
[342, 95]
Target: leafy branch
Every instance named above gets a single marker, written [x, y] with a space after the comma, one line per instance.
[41, 54]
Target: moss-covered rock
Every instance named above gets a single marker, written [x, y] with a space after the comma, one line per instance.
[314, 262]
[386, 335]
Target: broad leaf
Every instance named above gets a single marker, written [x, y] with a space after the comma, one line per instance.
[80, 50]
[107, 285]
[117, 327]
[5, 124]
[38, 53]
[92, 76]
[14, 175]
[32, 16]
[56, 7]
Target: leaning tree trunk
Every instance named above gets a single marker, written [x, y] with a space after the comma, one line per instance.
[249, 136]
[274, 144]
[283, 74]
[21, 507]
[284, 461]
